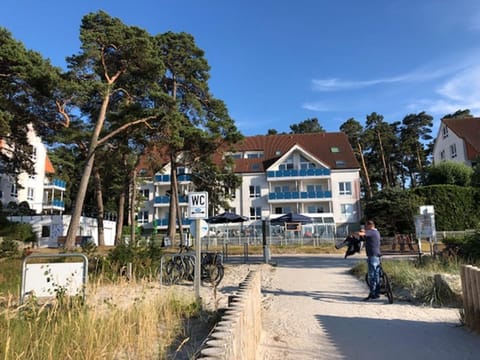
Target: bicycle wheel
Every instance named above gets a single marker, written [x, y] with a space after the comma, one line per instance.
[173, 272]
[212, 273]
[388, 288]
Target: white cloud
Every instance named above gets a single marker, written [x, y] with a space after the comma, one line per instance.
[461, 91]
[419, 75]
[316, 106]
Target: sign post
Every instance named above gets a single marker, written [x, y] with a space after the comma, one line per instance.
[197, 210]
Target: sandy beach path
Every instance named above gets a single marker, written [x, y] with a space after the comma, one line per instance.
[313, 309]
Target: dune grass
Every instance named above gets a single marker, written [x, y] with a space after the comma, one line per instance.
[143, 327]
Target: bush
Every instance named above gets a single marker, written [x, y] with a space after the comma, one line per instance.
[8, 248]
[468, 247]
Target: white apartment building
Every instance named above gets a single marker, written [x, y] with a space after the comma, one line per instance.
[458, 140]
[41, 190]
[316, 175]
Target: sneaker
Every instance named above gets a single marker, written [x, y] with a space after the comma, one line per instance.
[369, 297]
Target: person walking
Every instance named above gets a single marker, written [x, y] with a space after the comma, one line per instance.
[371, 237]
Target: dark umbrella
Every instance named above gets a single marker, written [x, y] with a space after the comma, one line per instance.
[291, 218]
[226, 217]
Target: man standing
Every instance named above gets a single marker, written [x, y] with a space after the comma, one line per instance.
[371, 236]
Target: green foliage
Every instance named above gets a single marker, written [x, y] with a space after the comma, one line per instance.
[307, 126]
[8, 248]
[449, 173]
[18, 231]
[393, 210]
[456, 207]
[467, 247]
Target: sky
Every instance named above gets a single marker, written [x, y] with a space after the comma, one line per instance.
[276, 63]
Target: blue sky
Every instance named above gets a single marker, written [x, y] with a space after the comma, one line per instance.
[278, 62]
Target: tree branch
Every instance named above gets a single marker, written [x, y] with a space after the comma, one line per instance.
[63, 113]
[122, 128]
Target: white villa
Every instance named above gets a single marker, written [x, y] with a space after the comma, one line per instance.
[314, 174]
[41, 190]
[458, 140]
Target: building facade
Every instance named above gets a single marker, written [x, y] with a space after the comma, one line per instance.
[42, 192]
[316, 175]
[458, 139]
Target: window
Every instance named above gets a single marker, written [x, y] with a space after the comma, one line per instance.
[142, 172]
[255, 155]
[445, 131]
[14, 191]
[453, 150]
[144, 193]
[142, 217]
[255, 213]
[30, 193]
[346, 209]
[31, 176]
[334, 149]
[340, 163]
[345, 188]
[313, 188]
[34, 153]
[278, 210]
[230, 192]
[255, 167]
[254, 191]
[442, 155]
[315, 209]
[45, 231]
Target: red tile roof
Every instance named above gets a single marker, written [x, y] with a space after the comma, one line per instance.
[467, 129]
[317, 144]
[49, 169]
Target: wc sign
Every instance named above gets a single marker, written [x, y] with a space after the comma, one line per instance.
[198, 205]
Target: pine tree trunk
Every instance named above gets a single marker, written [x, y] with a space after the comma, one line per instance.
[100, 209]
[82, 189]
[133, 206]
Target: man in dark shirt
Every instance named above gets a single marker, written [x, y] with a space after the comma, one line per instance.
[371, 236]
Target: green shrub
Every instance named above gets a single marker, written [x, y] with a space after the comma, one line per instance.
[467, 247]
[8, 248]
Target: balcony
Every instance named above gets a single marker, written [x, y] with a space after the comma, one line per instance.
[56, 184]
[164, 222]
[299, 195]
[166, 178]
[297, 173]
[54, 204]
[165, 200]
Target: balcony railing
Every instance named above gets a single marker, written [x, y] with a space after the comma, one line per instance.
[166, 199]
[54, 203]
[56, 183]
[298, 173]
[164, 222]
[166, 178]
[293, 195]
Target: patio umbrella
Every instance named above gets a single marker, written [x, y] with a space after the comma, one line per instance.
[291, 218]
[226, 218]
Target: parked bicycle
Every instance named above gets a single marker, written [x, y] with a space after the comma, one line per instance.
[181, 266]
[354, 245]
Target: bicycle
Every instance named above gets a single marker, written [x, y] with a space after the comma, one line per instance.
[181, 266]
[385, 284]
[354, 245]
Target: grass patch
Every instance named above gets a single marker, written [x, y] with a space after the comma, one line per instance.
[420, 281]
[142, 330]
